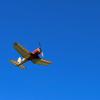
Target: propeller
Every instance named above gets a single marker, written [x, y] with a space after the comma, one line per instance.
[41, 49]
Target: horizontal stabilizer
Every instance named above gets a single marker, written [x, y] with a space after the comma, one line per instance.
[16, 63]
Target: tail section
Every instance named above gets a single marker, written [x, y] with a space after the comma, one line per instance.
[17, 64]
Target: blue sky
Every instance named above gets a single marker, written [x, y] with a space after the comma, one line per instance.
[70, 35]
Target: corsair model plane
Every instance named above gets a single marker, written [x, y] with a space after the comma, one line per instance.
[29, 56]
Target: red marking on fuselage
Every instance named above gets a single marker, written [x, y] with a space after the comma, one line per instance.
[35, 54]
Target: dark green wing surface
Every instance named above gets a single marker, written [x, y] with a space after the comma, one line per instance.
[20, 49]
[41, 61]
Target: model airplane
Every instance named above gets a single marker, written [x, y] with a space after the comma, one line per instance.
[28, 56]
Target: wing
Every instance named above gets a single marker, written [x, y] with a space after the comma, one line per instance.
[41, 61]
[24, 52]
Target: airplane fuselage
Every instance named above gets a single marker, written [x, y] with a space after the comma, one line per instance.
[33, 56]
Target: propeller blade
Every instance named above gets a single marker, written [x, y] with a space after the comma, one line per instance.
[41, 49]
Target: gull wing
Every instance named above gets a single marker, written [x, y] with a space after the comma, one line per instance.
[41, 61]
[20, 49]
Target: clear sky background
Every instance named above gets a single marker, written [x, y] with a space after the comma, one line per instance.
[69, 31]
